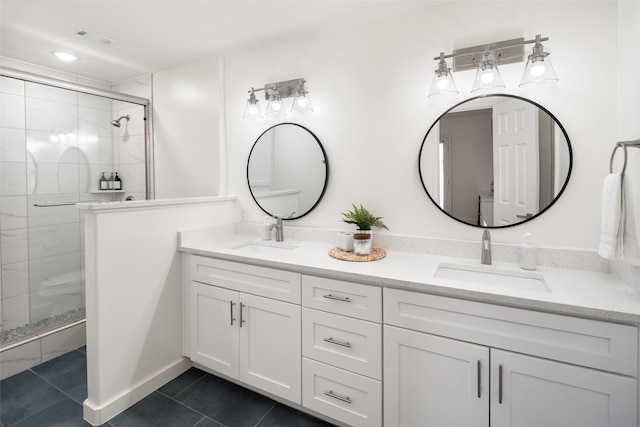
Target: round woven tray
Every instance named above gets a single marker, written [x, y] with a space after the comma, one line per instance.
[376, 254]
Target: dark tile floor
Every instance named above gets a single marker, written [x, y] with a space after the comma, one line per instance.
[51, 395]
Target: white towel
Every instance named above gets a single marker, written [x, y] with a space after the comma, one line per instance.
[611, 217]
[630, 226]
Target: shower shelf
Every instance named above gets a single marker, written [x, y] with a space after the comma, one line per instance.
[107, 191]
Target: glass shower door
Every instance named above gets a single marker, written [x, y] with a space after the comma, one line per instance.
[58, 142]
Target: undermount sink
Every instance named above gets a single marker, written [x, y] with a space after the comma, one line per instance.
[265, 247]
[494, 276]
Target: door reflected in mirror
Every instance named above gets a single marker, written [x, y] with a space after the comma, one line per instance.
[495, 161]
[287, 171]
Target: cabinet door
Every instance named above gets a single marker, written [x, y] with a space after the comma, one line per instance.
[431, 381]
[270, 347]
[214, 328]
[538, 392]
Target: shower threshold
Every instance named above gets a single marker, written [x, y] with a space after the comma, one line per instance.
[23, 333]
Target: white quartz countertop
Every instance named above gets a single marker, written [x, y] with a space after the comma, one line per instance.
[574, 292]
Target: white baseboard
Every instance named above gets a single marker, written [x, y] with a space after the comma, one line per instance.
[99, 414]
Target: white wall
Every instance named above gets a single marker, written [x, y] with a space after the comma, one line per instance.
[185, 118]
[628, 125]
[369, 87]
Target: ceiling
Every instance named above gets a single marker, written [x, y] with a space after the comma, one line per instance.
[154, 35]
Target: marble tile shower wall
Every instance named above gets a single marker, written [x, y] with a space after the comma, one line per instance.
[54, 144]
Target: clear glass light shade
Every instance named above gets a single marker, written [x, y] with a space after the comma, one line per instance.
[275, 107]
[252, 110]
[443, 84]
[301, 103]
[538, 70]
[487, 77]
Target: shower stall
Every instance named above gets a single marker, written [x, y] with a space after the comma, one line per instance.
[57, 139]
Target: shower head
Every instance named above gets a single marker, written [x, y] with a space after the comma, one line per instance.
[116, 122]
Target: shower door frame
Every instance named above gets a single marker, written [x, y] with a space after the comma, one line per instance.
[63, 84]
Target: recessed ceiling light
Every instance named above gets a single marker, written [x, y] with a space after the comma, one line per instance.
[65, 56]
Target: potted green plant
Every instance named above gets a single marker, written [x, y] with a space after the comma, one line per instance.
[364, 220]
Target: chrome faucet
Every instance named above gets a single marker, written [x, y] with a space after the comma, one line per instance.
[486, 248]
[278, 226]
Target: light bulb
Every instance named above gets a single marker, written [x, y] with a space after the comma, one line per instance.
[302, 102]
[537, 70]
[443, 83]
[252, 109]
[275, 106]
[487, 76]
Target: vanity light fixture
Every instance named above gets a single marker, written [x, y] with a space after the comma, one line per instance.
[301, 102]
[275, 107]
[252, 109]
[274, 94]
[488, 76]
[443, 82]
[485, 60]
[539, 68]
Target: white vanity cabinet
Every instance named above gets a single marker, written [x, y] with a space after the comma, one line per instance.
[238, 332]
[342, 350]
[450, 362]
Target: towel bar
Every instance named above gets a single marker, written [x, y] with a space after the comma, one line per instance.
[50, 205]
[624, 145]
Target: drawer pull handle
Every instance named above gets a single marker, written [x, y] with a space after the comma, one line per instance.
[231, 304]
[242, 305]
[330, 340]
[500, 384]
[337, 396]
[336, 298]
[479, 391]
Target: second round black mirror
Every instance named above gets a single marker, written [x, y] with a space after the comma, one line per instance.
[495, 161]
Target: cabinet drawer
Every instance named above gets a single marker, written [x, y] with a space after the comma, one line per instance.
[263, 281]
[346, 298]
[342, 395]
[597, 344]
[352, 344]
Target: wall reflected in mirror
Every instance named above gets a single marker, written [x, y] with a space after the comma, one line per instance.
[495, 161]
[287, 171]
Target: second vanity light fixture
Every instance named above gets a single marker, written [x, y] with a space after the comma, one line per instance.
[274, 93]
[485, 59]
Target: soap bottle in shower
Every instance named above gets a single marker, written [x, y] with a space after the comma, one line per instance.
[111, 182]
[117, 183]
[104, 185]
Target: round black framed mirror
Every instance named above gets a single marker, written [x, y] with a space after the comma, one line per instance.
[495, 161]
[287, 171]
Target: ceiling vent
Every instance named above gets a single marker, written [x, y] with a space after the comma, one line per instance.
[91, 35]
